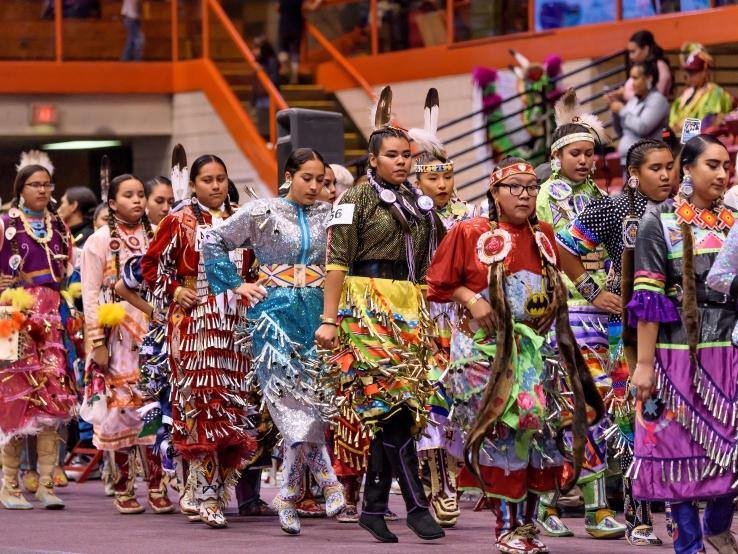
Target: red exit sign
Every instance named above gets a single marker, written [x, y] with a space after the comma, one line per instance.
[44, 114]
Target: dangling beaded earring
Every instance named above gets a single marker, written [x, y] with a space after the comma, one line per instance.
[594, 167]
[285, 188]
[633, 182]
[685, 187]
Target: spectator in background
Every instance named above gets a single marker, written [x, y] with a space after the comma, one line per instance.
[702, 98]
[101, 216]
[291, 24]
[642, 47]
[268, 60]
[328, 192]
[159, 198]
[133, 49]
[344, 179]
[76, 209]
[646, 114]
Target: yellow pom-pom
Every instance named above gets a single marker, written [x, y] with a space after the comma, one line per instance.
[75, 290]
[110, 315]
[18, 297]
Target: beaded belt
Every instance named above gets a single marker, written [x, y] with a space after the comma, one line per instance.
[287, 275]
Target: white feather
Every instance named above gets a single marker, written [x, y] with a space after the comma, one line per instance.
[522, 60]
[180, 178]
[426, 142]
[35, 157]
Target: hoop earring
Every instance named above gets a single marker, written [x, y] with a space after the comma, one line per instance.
[633, 182]
[685, 187]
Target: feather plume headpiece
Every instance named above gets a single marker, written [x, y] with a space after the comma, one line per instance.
[35, 157]
[426, 139]
[569, 110]
[180, 174]
[104, 177]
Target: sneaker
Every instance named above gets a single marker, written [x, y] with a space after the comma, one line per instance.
[642, 535]
[30, 481]
[516, 541]
[724, 542]
[80, 462]
[602, 525]
[390, 515]
[549, 520]
[348, 515]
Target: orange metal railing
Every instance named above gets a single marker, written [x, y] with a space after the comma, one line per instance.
[276, 102]
[341, 60]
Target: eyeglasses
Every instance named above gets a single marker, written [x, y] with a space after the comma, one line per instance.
[517, 190]
[37, 185]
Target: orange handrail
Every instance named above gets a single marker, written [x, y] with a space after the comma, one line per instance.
[276, 102]
[341, 60]
[264, 79]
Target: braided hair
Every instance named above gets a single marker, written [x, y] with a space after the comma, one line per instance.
[113, 220]
[195, 170]
[689, 154]
[20, 182]
[581, 381]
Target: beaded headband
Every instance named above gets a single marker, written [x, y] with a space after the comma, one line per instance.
[570, 139]
[434, 168]
[502, 173]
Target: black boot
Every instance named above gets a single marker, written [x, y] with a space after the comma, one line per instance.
[399, 447]
[376, 494]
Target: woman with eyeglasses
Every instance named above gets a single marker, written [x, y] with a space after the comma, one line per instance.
[569, 190]
[37, 387]
[612, 222]
[503, 269]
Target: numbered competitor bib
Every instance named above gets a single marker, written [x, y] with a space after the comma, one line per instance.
[343, 214]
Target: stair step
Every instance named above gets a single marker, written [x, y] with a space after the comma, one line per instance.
[301, 88]
[325, 105]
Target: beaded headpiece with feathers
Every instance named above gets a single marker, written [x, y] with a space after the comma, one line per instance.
[35, 157]
[569, 110]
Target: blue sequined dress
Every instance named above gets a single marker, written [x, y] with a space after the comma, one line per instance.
[289, 241]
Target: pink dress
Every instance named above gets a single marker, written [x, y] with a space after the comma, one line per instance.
[122, 423]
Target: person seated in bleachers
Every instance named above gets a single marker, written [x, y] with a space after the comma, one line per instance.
[702, 97]
[645, 114]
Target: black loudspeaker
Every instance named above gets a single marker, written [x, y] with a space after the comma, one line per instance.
[316, 129]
